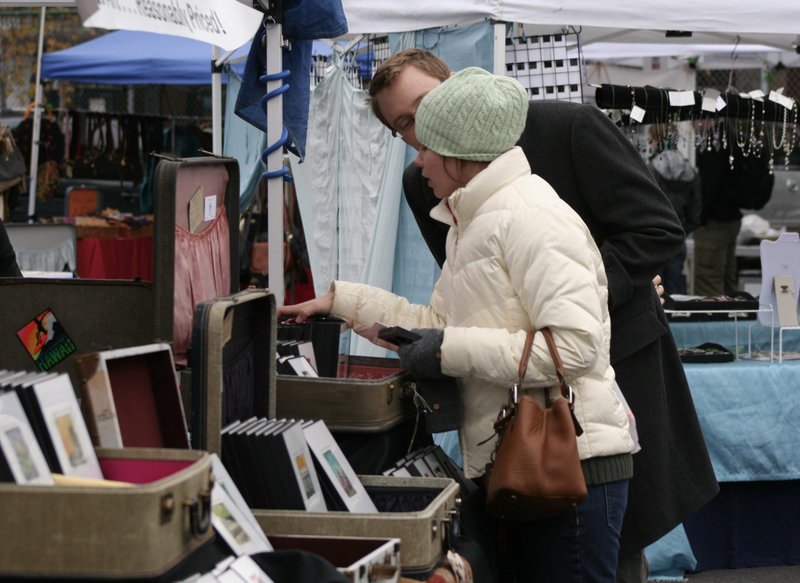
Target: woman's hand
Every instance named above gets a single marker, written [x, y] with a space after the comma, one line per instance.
[659, 288]
[320, 306]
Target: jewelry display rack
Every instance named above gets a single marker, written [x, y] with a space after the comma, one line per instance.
[659, 106]
[735, 314]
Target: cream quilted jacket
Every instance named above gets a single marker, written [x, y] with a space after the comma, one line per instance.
[518, 258]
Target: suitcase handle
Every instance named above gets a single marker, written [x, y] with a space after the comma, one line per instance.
[199, 513]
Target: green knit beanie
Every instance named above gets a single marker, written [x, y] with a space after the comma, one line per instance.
[473, 115]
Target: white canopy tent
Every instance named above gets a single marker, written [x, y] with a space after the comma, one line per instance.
[600, 20]
[714, 25]
[715, 21]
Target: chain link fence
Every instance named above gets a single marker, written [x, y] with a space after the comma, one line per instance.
[744, 80]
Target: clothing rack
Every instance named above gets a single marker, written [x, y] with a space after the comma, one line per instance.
[658, 109]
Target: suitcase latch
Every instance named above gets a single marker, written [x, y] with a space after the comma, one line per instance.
[167, 508]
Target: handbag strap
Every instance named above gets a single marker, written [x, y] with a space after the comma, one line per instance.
[566, 390]
[526, 354]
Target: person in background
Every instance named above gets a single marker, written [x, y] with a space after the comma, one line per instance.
[730, 181]
[518, 259]
[680, 181]
[594, 169]
[8, 259]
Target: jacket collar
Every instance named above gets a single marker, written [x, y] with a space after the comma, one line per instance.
[463, 204]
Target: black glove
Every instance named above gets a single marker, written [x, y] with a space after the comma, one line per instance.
[422, 358]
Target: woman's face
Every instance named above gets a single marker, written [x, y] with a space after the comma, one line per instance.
[440, 172]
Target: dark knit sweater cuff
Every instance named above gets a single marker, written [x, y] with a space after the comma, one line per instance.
[603, 470]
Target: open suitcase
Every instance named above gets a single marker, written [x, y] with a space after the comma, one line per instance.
[383, 391]
[130, 397]
[423, 511]
[233, 363]
[195, 241]
[85, 533]
[362, 559]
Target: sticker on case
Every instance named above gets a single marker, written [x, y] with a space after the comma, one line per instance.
[46, 340]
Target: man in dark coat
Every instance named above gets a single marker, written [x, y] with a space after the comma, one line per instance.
[8, 260]
[595, 169]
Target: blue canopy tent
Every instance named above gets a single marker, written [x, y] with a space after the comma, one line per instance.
[126, 57]
[134, 57]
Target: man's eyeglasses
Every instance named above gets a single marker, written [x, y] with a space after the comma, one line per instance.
[405, 125]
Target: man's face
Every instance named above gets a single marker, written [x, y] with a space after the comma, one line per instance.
[398, 102]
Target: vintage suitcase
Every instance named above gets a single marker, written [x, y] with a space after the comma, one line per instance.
[131, 398]
[99, 532]
[233, 364]
[382, 428]
[384, 394]
[71, 316]
[428, 507]
[195, 241]
[369, 407]
[422, 512]
[362, 559]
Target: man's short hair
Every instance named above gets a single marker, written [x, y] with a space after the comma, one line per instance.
[390, 69]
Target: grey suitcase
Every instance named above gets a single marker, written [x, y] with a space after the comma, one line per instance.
[94, 532]
[425, 533]
[383, 392]
[425, 530]
[234, 347]
[180, 185]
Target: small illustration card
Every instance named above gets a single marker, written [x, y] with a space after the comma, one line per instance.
[231, 523]
[302, 466]
[23, 458]
[228, 496]
[336, 470]
[65, 427]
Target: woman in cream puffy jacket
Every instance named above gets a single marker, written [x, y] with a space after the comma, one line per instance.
[518, 259]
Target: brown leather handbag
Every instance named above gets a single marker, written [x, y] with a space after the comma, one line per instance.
[536, 471]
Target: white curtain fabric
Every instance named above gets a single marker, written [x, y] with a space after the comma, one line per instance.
[348, 190]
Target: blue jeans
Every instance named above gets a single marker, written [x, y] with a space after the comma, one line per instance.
[581, 547]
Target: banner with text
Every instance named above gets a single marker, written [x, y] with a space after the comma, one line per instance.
[225, 23]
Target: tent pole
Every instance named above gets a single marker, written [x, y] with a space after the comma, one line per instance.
[274, 64]
[216, 103]
[37, 120]
[499, 48]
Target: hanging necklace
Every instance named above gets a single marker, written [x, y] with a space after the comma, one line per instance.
[773, 143]
[788, 146]
[745, 134]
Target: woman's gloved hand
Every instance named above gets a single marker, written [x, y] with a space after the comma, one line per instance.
[423, 357]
